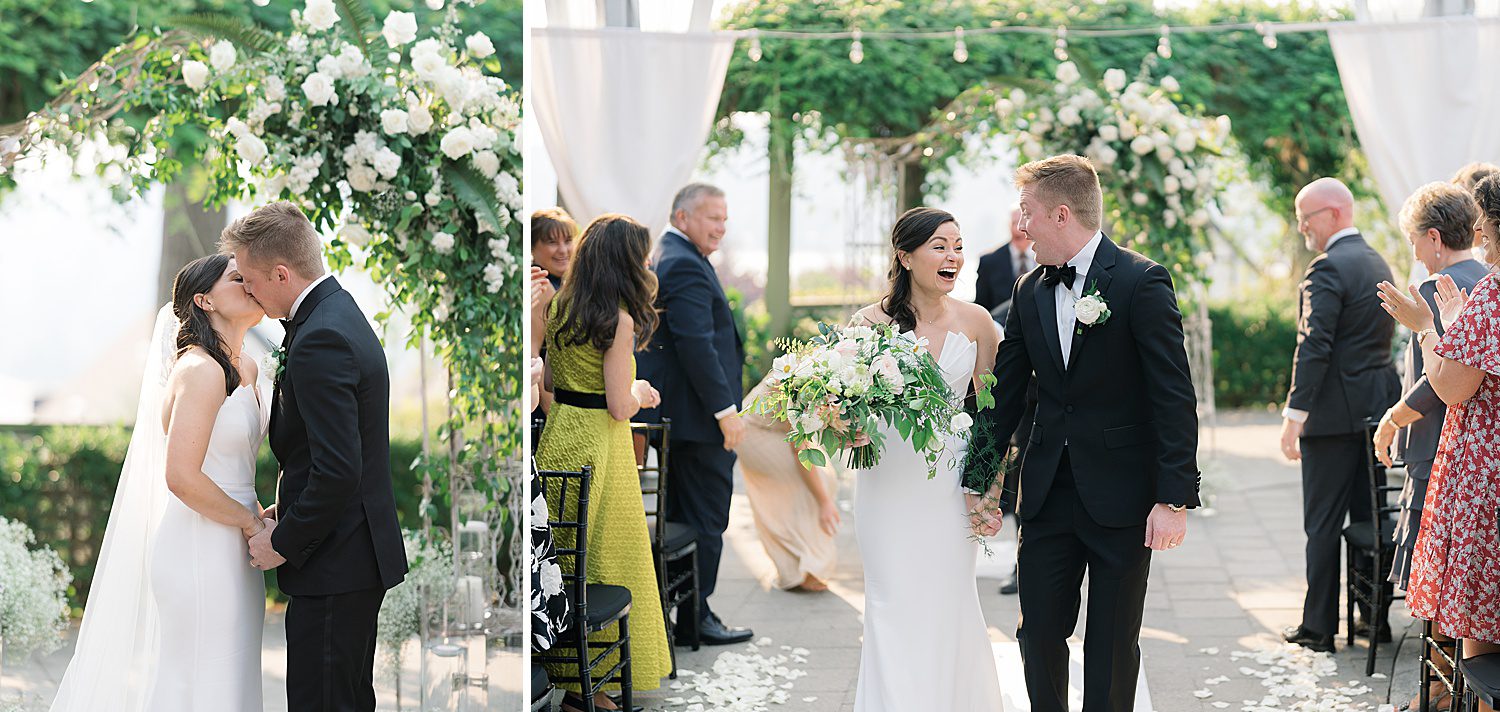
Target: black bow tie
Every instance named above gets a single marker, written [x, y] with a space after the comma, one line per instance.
[1052, 274]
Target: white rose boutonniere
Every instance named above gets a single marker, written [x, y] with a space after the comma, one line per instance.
[1091, 309]
[275, 364]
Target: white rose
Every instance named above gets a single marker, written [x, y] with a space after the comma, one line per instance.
[1109, 132]
[1169, 219]
[960, 422]
[352, 62]
[434, 4]
[419, 120]
[1171, 184]
[1067, 73]
[428, 65]
[273, 88]
[1114, 80]
[355, 234]
[251, 149]
[1107, 156]
[222, 55]
[400, 28]
[494, 278]
[393, 121]
[1127, 130]
[320, 14]
[195, 74]
[386, 162]
[1069, 116]
[487, 162]
[362, 178]
[1140, 199]
[479, 45]
[1170, 84]
[1088, 310]
[458, 142]
[235, 127]
[318, 88]
[442, 242]
[1142, 145]
[1018, 96]
[1185, 142]
[330, 66]
[432, 199]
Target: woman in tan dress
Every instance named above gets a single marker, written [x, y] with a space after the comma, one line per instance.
[793, 506]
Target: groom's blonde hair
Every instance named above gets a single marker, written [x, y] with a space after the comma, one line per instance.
[1066, 180]
[277, 234]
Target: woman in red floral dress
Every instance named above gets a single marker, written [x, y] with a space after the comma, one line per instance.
[1455, 574]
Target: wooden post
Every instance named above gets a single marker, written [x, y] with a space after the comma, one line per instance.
[779, 229]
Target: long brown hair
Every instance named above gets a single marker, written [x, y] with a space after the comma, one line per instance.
[608, 273]
[912, 231]
[194, 327]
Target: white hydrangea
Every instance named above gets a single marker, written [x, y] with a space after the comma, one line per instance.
[1069, 116]
[499, 246]
[386, 162]
[479, 45]
[362, 178]
[329, 65]
[508, 190]
[1169, 83]
[297, 43]
[261, 111]
[222, 55]
[1114, 80]
[484, 136]
[318, 88]
[400, 28]
[273, 88]
[354, 233]
[1142, 145]
[442, 242]
[195, 74]
[305, 170]
[487, 162]
[320, 14]
[352, 62]
[1067, 73]
[494, 278]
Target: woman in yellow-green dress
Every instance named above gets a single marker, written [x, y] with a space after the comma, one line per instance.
[594, 324]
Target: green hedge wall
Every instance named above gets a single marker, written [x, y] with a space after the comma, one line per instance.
[1253, 345]
[60, 481]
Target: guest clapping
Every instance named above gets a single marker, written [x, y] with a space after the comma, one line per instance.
[1453, 570]
[1342, 375]
[603, 311]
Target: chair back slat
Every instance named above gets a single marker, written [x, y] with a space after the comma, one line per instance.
[653, 476]
[567, 494]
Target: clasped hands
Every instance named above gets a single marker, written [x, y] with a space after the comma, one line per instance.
[258, 539]
[985, 519]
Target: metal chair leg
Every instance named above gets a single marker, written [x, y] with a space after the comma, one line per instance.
[697, 607]
[626, 686]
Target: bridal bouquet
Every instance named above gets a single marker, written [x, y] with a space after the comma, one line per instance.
[837, 389]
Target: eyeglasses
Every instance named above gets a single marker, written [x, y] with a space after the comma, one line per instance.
[1302, 219]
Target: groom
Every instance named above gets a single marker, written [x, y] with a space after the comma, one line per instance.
[333, 529]
[1111, 464]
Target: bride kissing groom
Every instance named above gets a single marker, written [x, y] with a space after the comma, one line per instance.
[1106, 480]
[174, 619]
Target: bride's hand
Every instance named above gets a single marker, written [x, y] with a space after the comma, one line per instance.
[251, 530]
[860, 439]
[984, 519]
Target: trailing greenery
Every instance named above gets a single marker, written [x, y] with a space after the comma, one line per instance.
[1254, 341]
[61, 481]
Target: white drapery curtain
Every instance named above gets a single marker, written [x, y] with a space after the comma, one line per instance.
[1422, 97]
[625, 114]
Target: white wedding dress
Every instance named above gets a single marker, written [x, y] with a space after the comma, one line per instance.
[174, 616]
[925, 642]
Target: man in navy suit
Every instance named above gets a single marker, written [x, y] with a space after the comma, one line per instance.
[696, 359]
[1001, 269]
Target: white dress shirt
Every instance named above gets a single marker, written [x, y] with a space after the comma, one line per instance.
[1067, 299]
[1293, 414]
[304, 294]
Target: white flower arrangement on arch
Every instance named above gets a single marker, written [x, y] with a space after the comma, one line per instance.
[1158, 163]
[33, 593]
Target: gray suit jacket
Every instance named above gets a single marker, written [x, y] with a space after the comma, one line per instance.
[1417, 443]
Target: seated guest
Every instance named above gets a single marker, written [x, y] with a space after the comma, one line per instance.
[1453, 580]
[794, 507]
[1438, 221]
[595, 324]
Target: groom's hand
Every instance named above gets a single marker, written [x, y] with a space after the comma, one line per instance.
[262, 556]
[984, 518]
[1165, 529]
[1291, 434]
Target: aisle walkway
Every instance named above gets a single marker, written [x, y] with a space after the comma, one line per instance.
[1213, 612]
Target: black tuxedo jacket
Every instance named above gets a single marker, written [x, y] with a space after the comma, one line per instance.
[696, 358]
[1343, 371]
[1124, 408]
[997, 278]
[330, 431]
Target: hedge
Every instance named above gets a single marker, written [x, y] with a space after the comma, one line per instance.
[1253, 345]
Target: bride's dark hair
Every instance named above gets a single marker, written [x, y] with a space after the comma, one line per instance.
[914, 228]
[194, 327]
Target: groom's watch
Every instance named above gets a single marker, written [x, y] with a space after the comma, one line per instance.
[1176, 508]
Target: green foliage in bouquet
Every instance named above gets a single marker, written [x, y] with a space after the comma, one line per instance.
[838, 390]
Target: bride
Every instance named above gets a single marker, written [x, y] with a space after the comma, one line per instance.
[925, 642]
[174, 618]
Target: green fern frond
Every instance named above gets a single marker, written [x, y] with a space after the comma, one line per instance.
[361, 24]
[473, 190]
[246, 36]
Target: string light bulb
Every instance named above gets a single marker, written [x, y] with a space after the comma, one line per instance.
[1164, 45]
[857, 48]
[1267, 34]
[755, 50]
[1060, 48]
[960, 50]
